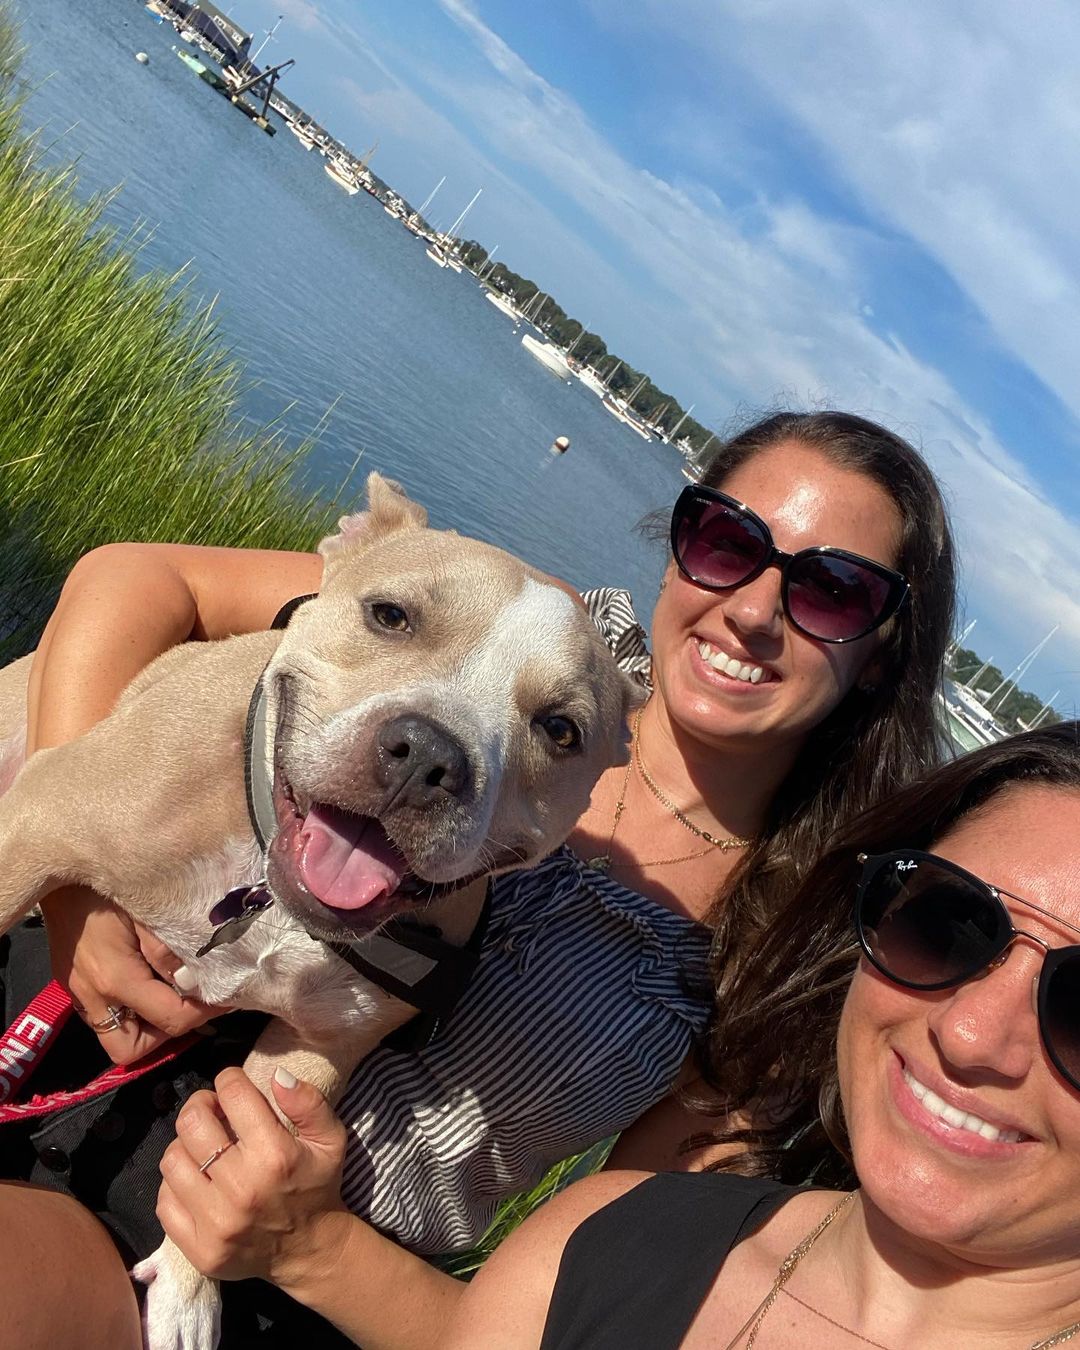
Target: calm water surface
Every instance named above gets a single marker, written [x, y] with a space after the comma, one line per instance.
[335, 312]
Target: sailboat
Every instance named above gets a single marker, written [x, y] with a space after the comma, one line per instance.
[554, 358]
[341, 171]
[548, 355]
[302, 132]
[974, 709]
[592, 381]
[621, 408]
[442, 249]
[414, 223]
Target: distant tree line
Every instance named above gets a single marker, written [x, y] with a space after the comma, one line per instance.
[1014, 708]
[655, 405]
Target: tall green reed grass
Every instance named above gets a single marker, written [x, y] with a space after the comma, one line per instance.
[118, 404]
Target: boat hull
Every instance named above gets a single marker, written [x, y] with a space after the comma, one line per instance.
[339, 178]
[502, 304]
[549, 357]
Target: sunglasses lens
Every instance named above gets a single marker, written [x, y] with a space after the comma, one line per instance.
[1060, 1015]
[926, 926]
[835, 598]
[716, 544]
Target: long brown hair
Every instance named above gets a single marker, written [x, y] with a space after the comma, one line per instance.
[878, 738]
[771, 1052]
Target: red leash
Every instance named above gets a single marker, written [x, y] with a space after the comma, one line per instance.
[23, 1046]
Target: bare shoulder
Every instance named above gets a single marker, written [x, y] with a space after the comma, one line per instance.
[544, 1236]
[507, 1303]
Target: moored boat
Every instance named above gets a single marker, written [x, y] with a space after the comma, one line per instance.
[302, 134]
[340, 172]
[591, 380]
[502, 304]
[548, 355]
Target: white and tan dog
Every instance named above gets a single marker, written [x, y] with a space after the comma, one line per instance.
[438, 713]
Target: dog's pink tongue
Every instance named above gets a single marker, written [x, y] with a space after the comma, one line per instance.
[347, 861]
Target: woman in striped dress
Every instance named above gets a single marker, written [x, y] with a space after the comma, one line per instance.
[796, 650]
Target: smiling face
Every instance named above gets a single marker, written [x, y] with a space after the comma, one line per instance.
[440, 711]
[704, 641]
[1010, 1193]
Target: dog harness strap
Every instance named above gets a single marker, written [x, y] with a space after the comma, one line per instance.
[24, 1043]
[415, 965]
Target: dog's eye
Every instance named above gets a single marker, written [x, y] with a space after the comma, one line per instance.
[392, 617]
[562, 732]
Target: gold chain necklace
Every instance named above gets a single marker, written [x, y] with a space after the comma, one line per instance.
[752, 1325]
[636, 758]
[603, 863]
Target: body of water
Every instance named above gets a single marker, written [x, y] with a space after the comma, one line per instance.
[334, 311]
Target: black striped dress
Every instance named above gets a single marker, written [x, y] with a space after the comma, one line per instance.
[580, 1015]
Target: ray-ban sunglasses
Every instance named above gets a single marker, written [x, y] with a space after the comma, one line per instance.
[927, 924]
[828, 593]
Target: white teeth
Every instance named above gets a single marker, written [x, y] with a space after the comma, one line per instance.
[952, 1115]
[729, 666]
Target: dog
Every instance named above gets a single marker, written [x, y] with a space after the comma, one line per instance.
[439, 713]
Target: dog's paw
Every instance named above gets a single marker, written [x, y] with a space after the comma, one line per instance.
[182, 1310]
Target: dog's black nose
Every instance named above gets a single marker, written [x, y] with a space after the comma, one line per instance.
[421, 762]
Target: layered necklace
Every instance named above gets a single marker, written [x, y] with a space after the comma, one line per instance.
[752, 1325]
[603, 861]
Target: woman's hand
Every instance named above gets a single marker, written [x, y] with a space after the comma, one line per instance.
[269, 1205]
[102, 957]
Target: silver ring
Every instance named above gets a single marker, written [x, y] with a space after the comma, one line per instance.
[116, 1018]
[216, 1155]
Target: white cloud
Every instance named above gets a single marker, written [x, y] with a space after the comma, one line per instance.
[957, 124]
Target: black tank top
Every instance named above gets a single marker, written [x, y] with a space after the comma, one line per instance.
[634, 1274]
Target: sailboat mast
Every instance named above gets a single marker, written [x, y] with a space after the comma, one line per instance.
[453, 228]
[1023, 667]
[268, 38]
[431, 195]
[1043, 710]
[584, 329]
[490, 263]
[682, 419]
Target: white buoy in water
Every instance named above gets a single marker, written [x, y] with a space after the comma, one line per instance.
[142, 58]
[560, 445]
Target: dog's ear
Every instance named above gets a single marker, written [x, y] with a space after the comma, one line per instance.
[388, 510]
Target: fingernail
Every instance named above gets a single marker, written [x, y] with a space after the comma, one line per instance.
[284, 1078]
[184, 980]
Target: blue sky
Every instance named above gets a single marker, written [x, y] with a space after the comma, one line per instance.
[863, 206]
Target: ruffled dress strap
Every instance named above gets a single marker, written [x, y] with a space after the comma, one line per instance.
[612, 610]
